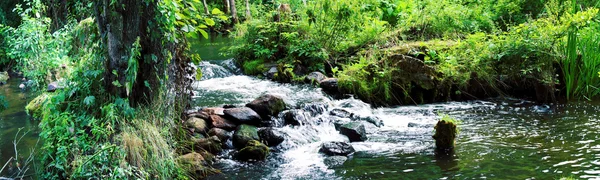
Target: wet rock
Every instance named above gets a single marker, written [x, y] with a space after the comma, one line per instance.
[410, 124]
[271, 73]
[336, 148]
[4, 77]
[370, 119]
[216, 110]
[315, 108]
[340, 113]
[330, 85]
[253, 151]
[200, 114]
[211, 144]
[199, 125]
[355, 131]
[294, 117]
[34, 108]
[243, 134]
[222, 134]
[270, 137]
[222, 123]
[227, 106]
[314, 77]
[243, 115]
[196, 164]
[267, 105]
[335, 161]
[53, 86]
[192, 158]
[445, 133]
[337, 123]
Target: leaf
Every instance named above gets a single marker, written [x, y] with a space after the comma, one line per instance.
[204, 33]
[216, 11]
[117, 83]
[198, 74]
[89, 100]
[209, 21]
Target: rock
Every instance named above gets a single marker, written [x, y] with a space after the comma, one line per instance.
[371, 119]
[315, 108]
[193, 158]
[222, 123]
[411, 124]
[294, 117]
[445, 133]
[211, 144]
[354, 130]
[336, 148]
[243, 134]
[34, 108]
[271, 73]
[199, 125]
[340, 113]
[337, 123]
[254, 150]
[53, 86]
[222, 134]
[330, 85]
[243, 115]
[4, 77]
[216, 111]
[195, 163]
[270, 137]
[314, 78]
[200, 114]
[267, 105]
[335, 161]
[227, 106]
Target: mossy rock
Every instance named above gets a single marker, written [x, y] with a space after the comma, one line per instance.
[445, 133]
[196, 165]
[244, 134]
[254, 150]
[4, 77]
[267, 105]
[34, 108]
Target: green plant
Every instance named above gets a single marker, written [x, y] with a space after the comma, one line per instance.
[255, 67]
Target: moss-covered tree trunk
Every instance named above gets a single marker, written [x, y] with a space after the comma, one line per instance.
[248, 13]
[234, 16]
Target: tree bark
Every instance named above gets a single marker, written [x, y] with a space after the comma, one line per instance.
[205, 7]
[234, 17]
[226, 4]
[248, 13]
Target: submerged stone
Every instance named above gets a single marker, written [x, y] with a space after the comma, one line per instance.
[243, 134]
[243, 115]
[336, 149]
[335, 161]
[355, 131]
[294, 117]
[445, 133]
[270, 137]
[254, 150]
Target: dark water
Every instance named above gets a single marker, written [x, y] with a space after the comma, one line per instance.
[12, 121]
[499, 138]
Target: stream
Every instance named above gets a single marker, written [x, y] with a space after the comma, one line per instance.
[499, 138]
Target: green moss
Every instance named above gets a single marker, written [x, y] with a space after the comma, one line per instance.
[255, 67]
[445, 132]
[34, 108]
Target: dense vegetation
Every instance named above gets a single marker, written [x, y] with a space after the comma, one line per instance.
[469, 49]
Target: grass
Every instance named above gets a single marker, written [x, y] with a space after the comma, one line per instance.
[255, 67]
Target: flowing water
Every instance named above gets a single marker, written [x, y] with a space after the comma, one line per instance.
[16, 126]
[499, 139]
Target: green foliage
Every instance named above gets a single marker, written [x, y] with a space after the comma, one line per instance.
[371, 77]
[255, 67]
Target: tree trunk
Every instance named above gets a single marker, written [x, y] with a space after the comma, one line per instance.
[121, 24]
[205, 7]
[234, 17]
[248, 13]
[226, 4]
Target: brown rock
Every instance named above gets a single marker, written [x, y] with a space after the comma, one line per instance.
[222, 123]
[214, 111]
[199, 125]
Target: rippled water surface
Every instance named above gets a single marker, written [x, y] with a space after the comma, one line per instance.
[499, 139]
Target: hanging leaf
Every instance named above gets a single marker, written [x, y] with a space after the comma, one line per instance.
[89, 100]
[209, 21]
[204, 33]
[198, 74]
[216, 11]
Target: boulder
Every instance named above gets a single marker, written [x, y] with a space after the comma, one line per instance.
[243, 115]
[222, 134]
[222, 123]
[211, 144]
[335, 161]
[200, 114]
[227, 106]
[34, 108]
[192, 158]
[336, 149]
[337, 123]
[341, 113]
[197, 124]
[271, 73]
[355, 131]
[314, 77]
[294, 117]
[4, 77]
[270, 137]
[215, 111]
[370, 119]
[267, 105]
[195, 163]
[315, 108]
[243, 134]
[330, 85]
[53, 86]
[253, 151]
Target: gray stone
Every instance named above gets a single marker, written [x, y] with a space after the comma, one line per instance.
[355, 131]
[335, 161]
[314, 77]
[294, 117]
[267, 105]
[243, 115]
[243, 134]
[330, 85]
[270, 137]
[336, 149]
[199, 125]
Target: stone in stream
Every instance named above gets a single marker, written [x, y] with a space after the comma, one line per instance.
[314, 78]
[336, 148]
[445, 133]
[267, 105]
[227, 106]
[294, 117]
[370, 119]
[271, 73]
[211, 144]
[243, 115]
[199, 114]
[338, 122]
[222, 134]
[341, 113]
[355, 131]
[316, 108]
[215, 110]
[34, 107]
[195, 164]
[197, 124]
[4, 77]
[410, 124]
[335, 161]
[222, 123]
[330, 85]
[243, 134]
[253, 151]
[270, 137]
